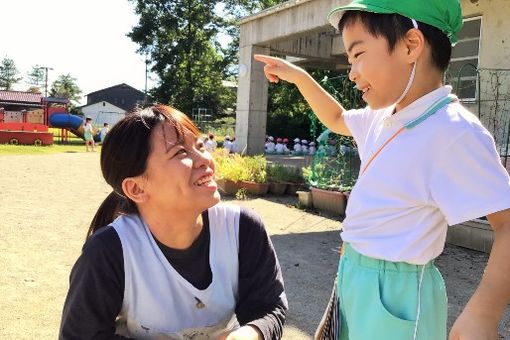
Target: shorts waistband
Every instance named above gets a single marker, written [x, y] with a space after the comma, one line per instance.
[369, 262]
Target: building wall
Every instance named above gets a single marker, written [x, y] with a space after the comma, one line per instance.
[103, 112]
[495, 39]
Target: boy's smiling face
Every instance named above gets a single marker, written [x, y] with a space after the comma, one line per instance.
[380, 74]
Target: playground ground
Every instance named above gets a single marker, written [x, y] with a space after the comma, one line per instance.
[47, 201]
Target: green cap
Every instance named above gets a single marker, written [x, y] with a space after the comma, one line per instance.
[443, 14]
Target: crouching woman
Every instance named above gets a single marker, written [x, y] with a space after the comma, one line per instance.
[164, 259]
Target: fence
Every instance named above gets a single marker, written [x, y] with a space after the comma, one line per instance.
[486, 93]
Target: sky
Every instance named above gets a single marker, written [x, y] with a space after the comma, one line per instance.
[86, 39]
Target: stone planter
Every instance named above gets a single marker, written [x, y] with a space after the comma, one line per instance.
[292, 188]
[257, 189]
[330, 201]
[228, 187]
[305, 198]
[277, 188]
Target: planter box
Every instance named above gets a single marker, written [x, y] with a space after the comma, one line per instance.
[277, 188]
[305, 198]
[258, 189]
[228, 187]
[292, 188]
[331, 201]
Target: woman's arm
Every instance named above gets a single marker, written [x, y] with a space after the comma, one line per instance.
[96, 290]
[262, 301]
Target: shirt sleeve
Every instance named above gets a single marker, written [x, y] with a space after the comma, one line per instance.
[262, 300]
[469, 180]
[358, 122]
[96, 290]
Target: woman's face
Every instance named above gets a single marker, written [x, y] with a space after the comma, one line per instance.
[179, 174]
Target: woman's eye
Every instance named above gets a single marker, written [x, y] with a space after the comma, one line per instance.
[182, 152]
[358, 54]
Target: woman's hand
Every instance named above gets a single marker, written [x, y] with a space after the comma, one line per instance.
[277, 68]
[243, 333]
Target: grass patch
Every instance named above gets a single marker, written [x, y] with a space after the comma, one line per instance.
[72, 147]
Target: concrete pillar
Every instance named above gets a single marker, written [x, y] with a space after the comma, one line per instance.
[251, 114]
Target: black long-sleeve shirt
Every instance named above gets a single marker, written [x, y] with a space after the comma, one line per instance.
[96, 289]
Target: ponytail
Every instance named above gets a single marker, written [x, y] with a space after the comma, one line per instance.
[113, 206]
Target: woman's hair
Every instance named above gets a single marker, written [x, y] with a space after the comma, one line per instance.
[394, 27]
[124, 154]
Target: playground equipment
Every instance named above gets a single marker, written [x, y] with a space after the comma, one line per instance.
[25, 118]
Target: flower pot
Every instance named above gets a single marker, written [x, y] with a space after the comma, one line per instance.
[305, 198]
[258, 189]
[292, 188]
[228, 187]
[277, 188]
[330, 201]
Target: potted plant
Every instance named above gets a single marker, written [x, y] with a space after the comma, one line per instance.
[256, 180]
[277, 176]
[230, 171]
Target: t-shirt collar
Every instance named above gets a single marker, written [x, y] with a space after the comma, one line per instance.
[417, 107]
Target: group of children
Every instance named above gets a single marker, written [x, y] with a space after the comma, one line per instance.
[301, 147]
[89, 131]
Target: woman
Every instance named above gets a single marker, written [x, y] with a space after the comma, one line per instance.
[176, 263]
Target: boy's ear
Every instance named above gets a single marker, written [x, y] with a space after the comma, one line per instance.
[133, 188]
[415, 43]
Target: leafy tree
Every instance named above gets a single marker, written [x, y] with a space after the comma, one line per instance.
[36, 76]
[34, 89]
[178, 36]
[8, 74]
[65, 87]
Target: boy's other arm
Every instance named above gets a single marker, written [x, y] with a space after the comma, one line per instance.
[327, 109]
[482, 314]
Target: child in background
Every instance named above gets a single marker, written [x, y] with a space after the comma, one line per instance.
[426, 163]
[297, 146]
[88, 134]
[104, 131]
[279, 148]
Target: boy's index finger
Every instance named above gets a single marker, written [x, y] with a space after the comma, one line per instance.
[272, 61]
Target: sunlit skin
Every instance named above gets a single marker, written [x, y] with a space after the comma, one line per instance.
[168, 194]
[383, 74]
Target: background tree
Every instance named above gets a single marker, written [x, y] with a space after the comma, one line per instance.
[179, 39]
[65, 87]
[35, 76]
[34, 89]
[8, 74]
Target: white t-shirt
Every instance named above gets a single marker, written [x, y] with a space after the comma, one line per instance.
[444, 171]
[210, 145]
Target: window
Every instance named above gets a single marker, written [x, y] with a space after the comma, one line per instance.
[462, 72]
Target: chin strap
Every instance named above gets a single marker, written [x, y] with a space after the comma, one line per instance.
[411, 77]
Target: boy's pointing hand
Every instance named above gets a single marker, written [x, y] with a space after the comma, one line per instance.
[277, 68]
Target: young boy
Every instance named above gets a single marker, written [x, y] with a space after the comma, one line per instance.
[426, 163]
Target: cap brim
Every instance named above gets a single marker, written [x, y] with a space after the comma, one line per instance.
[336, 14]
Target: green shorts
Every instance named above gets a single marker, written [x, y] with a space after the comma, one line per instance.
[384, 300]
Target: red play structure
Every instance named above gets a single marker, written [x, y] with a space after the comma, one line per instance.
[25, 118]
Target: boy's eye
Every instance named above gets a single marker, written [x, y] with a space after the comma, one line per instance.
[181, 152]
[358, 54]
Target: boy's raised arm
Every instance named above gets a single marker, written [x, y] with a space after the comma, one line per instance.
[483, 312]
[327, 109]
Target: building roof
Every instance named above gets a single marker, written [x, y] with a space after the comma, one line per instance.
[20, 97]
[123, 85]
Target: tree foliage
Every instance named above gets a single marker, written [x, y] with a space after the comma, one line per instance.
[8, 74]
[178, 36]
[36, 76]
[65, 87]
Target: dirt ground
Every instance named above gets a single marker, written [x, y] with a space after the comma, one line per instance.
[46, 203]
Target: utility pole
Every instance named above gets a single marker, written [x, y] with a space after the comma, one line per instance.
[146, 75]
[46, 68]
